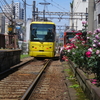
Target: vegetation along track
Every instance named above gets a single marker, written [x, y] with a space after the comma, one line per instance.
[17, 85]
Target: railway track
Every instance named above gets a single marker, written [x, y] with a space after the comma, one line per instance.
[18, 84]
[51, 85]
[35, 81]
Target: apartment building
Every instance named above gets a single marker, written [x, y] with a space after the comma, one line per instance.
[79, 6]
[14, 8]
[97, 14]
[2, 23]
[12, 12]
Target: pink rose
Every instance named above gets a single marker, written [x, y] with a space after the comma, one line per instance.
[88, 54]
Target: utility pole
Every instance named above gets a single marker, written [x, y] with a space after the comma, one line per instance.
[91, 15]
[11, 25]
[71, 5]
[37, 14]
[24, 35]
[33, 14]
[44, 8]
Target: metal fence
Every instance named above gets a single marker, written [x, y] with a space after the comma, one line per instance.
[8, 41]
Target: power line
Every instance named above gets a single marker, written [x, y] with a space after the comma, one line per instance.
[56, 7]
[7, 6]
[5, 14]
[59, 5]
[26, 3]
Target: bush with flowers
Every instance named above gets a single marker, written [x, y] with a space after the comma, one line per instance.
[84, 51]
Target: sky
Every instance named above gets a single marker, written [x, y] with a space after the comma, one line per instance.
[55, 6]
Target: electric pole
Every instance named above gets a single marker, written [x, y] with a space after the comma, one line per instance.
[24, 35]
[91, 15]
[44, 8]
[11, 25]
[71, 5]
[33, 14]
[37, 14]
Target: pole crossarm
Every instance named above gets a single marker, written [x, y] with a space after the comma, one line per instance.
[61, 13]
[63, 27]
[62, 18]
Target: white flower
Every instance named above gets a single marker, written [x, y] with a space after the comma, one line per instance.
[98, 52]
[94, 45]
[90, 49]
[68, 50]
[73, 53]
[76, 46]
[88, 37]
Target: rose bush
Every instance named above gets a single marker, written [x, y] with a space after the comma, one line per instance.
[84, 51]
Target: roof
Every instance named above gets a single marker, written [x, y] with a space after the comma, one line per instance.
[41, 22]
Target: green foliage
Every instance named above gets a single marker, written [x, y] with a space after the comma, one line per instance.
[85, 51]
[66, 70]
[74, 86]
[24, 56]
[70, 77]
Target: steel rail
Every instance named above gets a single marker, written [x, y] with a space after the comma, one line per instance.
[31, 88]
[13, 69]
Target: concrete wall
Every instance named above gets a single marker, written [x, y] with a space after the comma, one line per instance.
[9, 58]
[90, 90]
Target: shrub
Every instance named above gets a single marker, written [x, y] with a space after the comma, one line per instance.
[84, 51]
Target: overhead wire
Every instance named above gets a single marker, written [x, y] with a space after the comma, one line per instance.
[59, 6]
[5, 13]
[64, 9]
[27, 3]
[77, 6]
[3, 2]
[21, 2]
[10, 7]
[7, 4]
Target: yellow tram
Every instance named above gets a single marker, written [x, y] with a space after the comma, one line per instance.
[42, 39]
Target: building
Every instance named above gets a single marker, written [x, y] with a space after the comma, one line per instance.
[2, 23]
[78, 6]
[13, 12]
[22, 14]
[97, 14]
[14, 9]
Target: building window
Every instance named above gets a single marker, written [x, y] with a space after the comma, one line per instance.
[99, 19]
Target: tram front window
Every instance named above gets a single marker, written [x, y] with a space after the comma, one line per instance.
[42, 33]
